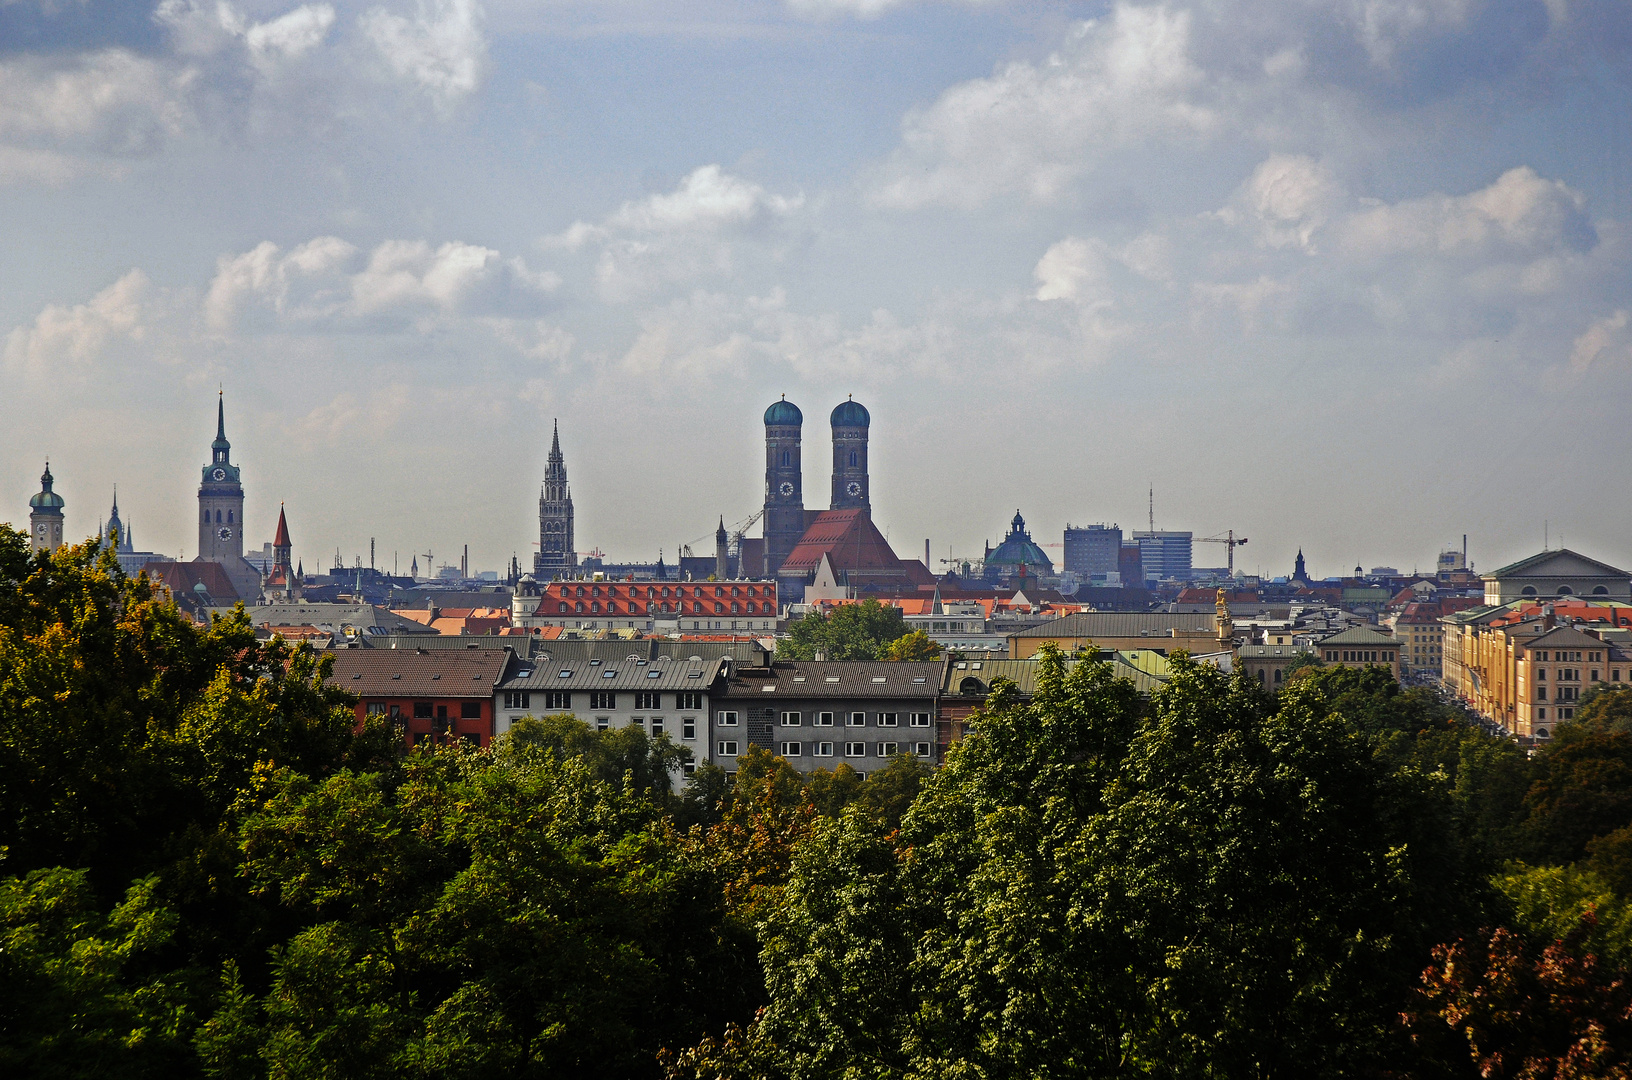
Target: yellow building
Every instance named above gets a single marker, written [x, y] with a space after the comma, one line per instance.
[1421, 638]
[1523, 668]
[1361, 647]
[1121, 631]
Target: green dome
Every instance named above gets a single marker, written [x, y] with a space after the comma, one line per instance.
[851, 414]
[1018, 549]
[784, 413]
[47, 499]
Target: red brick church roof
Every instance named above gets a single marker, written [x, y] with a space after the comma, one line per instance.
[851, 542]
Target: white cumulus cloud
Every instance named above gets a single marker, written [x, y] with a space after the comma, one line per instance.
[440, 48]
[1035, 128]
[1521, 213]
[73, 336]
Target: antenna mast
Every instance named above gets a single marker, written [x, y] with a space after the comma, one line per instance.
[1153, 508]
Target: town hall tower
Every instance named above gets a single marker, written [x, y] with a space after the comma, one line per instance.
[221, 501]
[556, 554]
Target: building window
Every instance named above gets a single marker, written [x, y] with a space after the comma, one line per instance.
[823, 719]
[470, 710]
[517, 699]
[688, 729]
[603, 699]
[791, 749]
[790, 719]
[1541, 693]
[557, 699]
[852, 459]
[857, 719]
[727, 719]
[637, 721]
[920, 719]
[377, 708]
[422, 710]
[441, 712]
[728, 749]
[855, 749]
[823, 749]
[887, 719]
[922, 749]
[648, 701]
[888, 749]
[602, 723]
[688, 701]
[657, 726]
[689, 767]
[1541, 714]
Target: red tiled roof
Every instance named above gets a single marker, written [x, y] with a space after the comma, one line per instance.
[181, 577]
[850, 541]
[282, 539]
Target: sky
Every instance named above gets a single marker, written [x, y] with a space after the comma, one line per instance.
[1350, 276]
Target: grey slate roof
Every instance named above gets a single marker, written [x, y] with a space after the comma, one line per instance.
[1120, 624]
[1359, 635]
[837, 679]
[546, 673]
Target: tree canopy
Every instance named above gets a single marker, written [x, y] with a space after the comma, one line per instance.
[860, 631]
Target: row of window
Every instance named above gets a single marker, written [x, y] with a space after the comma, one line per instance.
[606, 699]
[730, 748]
[423, 710]
[635, 607]
[826, 719]
[1360, 656]
[1563, 656]
[217, 517]
[665, 593]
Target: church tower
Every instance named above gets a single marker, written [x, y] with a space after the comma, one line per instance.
[850, 489]
[45, 516]
[556, 554]
[221, 501]
[1299, 571]
[784, 487]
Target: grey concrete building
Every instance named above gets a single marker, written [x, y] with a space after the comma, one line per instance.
[817, 714]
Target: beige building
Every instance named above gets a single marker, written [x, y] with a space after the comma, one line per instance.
[1422, 638]
[1360, 647]
[1523, 668]
[1555, 574]
[1269, 663]
[1121, 631]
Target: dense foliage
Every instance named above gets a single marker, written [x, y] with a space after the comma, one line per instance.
[865, 631]
[210, 870]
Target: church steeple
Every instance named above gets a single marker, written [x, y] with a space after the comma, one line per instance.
[45, 515]
[555, 540]
[221, 500]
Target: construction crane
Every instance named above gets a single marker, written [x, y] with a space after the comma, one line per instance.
[1229, 539]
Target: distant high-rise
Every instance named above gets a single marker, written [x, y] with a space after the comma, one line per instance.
[1164, 555]
[1093, 549]
[556, 554]
[221, 501]
[784, 486]
[45, 516]
[850, 487]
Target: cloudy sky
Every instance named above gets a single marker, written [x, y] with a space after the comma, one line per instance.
[1350, 275]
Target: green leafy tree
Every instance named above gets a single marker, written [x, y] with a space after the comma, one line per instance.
[1209, 885]
[649, 763]
[850, 632]
[831, 790]
[889, 792]
[915, 645]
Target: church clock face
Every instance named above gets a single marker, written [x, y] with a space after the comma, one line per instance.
[786, 488]
[40, 529]
[219, 474]
[854, 488]
[224, 533]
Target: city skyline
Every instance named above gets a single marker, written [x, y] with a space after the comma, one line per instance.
[1345, 278]
[398, 559]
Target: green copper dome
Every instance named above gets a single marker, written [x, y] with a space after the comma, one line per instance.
[851, 414]
[1018, 549]
[784, 413]
[47, 499]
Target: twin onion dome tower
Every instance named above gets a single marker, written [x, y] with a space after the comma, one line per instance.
[785, 519]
